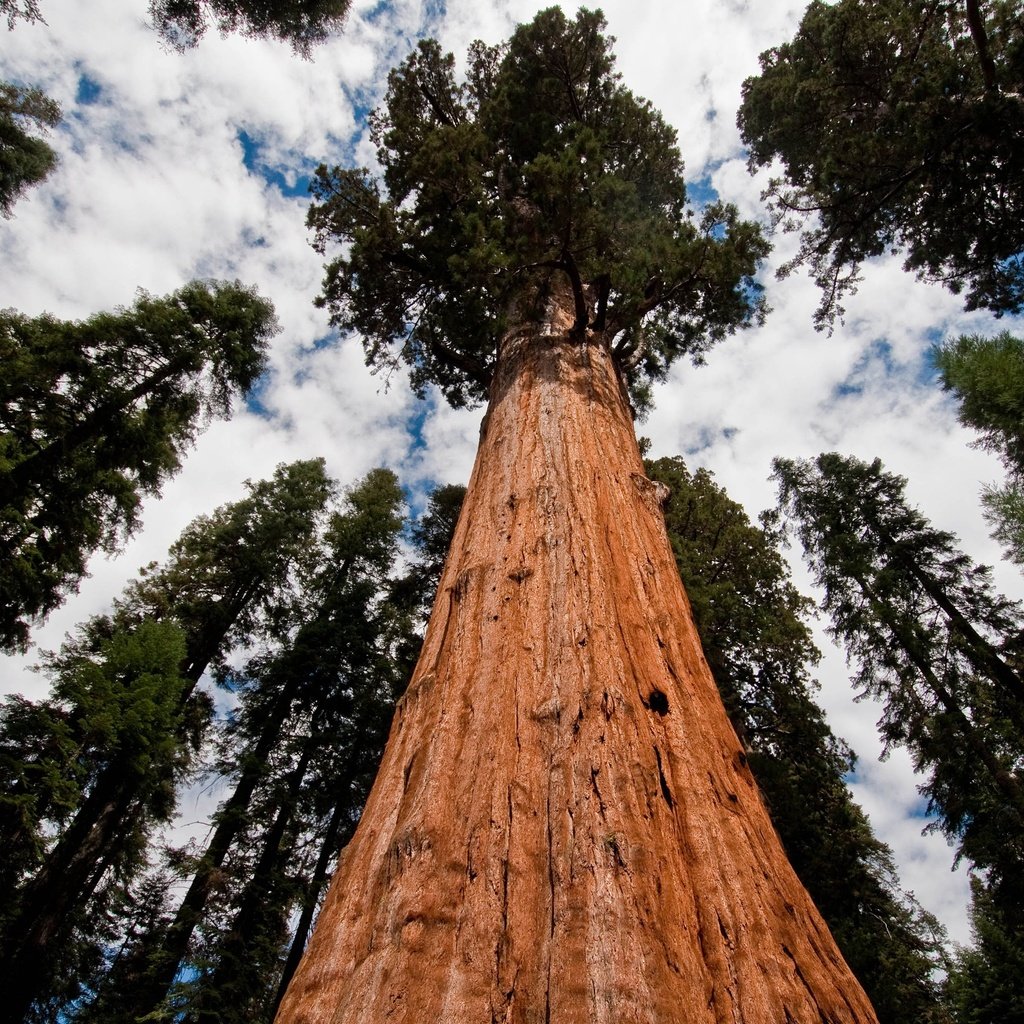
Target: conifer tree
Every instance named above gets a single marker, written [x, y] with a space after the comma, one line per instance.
[302, 23]
[935, 643]
[987, 377]
[317, 699]
[94, 415]
[124, 690]
[984, 983]
[753, 628]
[898, 124]
[26, 158]
[227, 582]
[564, 825]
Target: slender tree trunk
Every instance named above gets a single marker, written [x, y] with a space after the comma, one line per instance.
[236, 978]
[65, 882]
[564, 827]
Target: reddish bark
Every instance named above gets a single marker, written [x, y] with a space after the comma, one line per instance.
[564, 827]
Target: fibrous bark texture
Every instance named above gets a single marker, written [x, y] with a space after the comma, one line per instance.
[564, 828]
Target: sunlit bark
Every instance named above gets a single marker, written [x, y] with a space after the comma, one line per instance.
[564, 827]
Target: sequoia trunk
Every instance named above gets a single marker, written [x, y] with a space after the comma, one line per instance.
[564, 827]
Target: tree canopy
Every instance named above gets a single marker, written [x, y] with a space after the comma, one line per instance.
[538, 161]
[302, 23]
[987, 377]
[95, 414]
[898, 125]
[182, 23]
[25, 158]
[933, 641]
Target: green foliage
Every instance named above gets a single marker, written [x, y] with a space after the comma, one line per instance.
[302, 23]
[1004, 510]
[232, 578]
[984, 985]
[987, 377]
[898, 125]
[40, 782]
[230, 582]
[118, 722]
[96, 414]
[339, 682]
[431, 536]
[25, 159]
[752, 625]
[932, 640]
[539, 163]
[301, 746]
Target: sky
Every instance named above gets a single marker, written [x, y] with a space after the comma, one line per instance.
[180, 166]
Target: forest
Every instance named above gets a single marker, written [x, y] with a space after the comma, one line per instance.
[580, 735]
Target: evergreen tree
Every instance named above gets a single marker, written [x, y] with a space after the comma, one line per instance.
[324, 696]
[987, 377]
[898, 125]
[752, 625]
[227, 583]
[984, 985]
[933, 641]
[302, 23]
[12, 10]
[94, 415]
[564, 826]
[124, 691]
[25, 159]
[232, 579]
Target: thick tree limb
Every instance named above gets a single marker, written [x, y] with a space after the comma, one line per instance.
[980, 38]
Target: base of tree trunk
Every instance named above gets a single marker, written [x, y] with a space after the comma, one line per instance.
[564, 828]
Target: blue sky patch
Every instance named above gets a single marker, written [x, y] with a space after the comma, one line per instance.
[253, 160]
[89, 90]
[701, 192]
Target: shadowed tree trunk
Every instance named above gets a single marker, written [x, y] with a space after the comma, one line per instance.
[564, 827]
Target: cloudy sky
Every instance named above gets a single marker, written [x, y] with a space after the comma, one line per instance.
[177, 166]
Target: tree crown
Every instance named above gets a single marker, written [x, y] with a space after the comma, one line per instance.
[538, 162]
[898, 126]
[302, 23]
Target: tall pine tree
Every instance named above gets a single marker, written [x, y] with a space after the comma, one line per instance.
[752, 625]
[309, 709]
[123, 688]
[228, 582]
[987, 377]
[94, 415]
[937, 646]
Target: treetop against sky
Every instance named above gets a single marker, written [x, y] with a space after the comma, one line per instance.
[538, 160]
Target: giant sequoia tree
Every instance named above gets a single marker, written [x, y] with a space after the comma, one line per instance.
[564, 826]
[899, 124]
